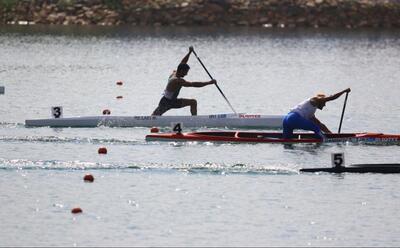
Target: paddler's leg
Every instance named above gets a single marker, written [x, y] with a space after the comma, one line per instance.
[158, 111]
[189, 102]
[163, 106]
[294, 120]
[302, 123]
[287, 124]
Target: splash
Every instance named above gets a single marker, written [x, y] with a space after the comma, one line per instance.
[199, 168]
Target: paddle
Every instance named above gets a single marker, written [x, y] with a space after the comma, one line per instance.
[226, 99]
[344, 107]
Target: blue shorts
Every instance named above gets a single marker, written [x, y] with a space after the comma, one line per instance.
[294, 120]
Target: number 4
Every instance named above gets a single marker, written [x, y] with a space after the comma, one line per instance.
[177, 127]
[337, 159]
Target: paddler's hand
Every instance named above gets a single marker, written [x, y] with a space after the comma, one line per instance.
[213, 81]
[347, 90]
[191, 49]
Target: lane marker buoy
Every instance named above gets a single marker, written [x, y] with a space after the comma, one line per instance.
[119, 97]
[106, 112]
[76, 210]
[154, 130]
[119, 82]
[88, 178]
[102, 150]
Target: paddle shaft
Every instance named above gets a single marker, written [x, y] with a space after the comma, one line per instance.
[344, 107]
[222, 93]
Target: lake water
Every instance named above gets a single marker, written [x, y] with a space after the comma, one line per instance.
[193, 194]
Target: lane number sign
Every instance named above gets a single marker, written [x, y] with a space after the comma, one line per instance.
[337, 159]
[177, 127]
[57, 112]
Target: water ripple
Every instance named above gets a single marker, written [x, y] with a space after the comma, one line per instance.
[11, 125]
[203, 168]
[60, 139]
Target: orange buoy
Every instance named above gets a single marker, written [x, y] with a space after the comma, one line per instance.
[76, 210]
[88, 178]
[119, 97]
[102, 150]
[119, 83]
[154, 130]
[106, 112]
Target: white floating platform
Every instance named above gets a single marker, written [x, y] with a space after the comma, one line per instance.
[217, 120]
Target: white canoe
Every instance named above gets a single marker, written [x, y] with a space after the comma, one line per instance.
[217, 120]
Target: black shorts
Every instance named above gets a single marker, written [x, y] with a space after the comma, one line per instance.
[167, 104]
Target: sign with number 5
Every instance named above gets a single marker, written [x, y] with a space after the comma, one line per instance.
[337, 159]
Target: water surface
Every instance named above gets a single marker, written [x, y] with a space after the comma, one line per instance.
[206, 194]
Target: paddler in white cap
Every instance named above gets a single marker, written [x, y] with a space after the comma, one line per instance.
[303, 116]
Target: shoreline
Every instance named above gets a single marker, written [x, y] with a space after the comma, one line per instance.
[219, 13]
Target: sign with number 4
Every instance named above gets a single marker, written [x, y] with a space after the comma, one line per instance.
[337, 159]
[57, 112]
[177, 127]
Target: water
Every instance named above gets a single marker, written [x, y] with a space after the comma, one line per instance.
[205, 194]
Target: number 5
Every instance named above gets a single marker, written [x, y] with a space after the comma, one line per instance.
[337, 159]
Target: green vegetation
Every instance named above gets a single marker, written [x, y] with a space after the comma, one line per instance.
[65, 3]
[113, 4]
[8, 4]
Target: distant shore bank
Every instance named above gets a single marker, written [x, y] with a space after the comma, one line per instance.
[267, 13]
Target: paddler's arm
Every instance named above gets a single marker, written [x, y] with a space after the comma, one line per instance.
[320, 125]
[186, 58]
[337, 95]
[185, 83]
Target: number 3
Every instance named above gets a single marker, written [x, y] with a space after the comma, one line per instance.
[56, 112]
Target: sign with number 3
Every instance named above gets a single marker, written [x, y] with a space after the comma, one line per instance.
[57, 111]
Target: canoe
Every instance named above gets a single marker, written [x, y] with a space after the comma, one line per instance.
[275, 137]
[358, 168]
[217, 120]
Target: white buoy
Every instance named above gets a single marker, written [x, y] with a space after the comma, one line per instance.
[2, 89]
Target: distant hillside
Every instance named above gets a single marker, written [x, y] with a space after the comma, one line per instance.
[267, 13]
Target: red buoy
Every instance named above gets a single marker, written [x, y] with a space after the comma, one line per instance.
[119, 83]
[102, 150]
[76, 210]
[106, 112]
[119, 97]
[88, 178]
[154, 130]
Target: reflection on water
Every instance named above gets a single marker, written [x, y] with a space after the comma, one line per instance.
[373, 34]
